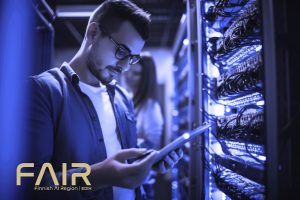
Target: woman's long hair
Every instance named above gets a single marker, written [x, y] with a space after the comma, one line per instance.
[147, 88]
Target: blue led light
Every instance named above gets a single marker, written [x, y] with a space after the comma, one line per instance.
[263, 158]
[217, 149]
[260, 103]
[213, 71]
[175, 113]
[228, 109]
[258, 48]
[174, 185]
[219, 110]
[186, 42]
[244, 100]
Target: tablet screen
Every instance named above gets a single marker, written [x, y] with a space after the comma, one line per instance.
[178, 142]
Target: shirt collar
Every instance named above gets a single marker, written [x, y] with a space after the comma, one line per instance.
[69, 72]
[74, 78]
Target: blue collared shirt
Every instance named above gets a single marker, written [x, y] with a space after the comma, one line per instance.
[64, 127]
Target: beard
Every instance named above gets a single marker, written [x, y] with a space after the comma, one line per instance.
[104, 73]
[101, 74]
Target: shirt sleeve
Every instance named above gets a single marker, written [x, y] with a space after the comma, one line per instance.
[41, 132]
[40, 127]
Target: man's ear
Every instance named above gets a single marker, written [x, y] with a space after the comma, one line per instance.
[93, 31]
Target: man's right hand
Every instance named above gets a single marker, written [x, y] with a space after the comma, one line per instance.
[115, 171]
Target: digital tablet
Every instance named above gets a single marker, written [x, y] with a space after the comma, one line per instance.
[177, 143]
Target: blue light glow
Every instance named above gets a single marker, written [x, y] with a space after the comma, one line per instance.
[218, 195]
[263, 158]
[218, 110]
[175, 113]
[186, 42]
[174, 185]
[213, 71]
[244, 100]
[260, 103]
[186, 136]
[16, 43]
[183, 18]
[73, 14]
[258, 48]
[212, 33]
[216, 148]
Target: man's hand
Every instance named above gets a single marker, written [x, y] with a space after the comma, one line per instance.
[115, 171]
[169, 161]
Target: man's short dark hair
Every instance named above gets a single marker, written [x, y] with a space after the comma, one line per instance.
[111, 13]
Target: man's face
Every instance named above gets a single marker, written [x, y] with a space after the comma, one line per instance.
[103, 63]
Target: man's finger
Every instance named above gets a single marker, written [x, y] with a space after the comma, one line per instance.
[174, 156]
[170, 163]
[149, 159]
[162, 168]
[127, 154]
[179, 152]
[143, 165]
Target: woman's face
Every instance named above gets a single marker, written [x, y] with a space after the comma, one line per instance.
[133, 76]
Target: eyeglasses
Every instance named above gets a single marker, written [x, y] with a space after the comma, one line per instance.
[122, 53]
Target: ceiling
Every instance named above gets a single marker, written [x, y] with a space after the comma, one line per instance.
[166, 15]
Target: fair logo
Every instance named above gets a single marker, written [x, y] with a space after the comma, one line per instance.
[58, 186]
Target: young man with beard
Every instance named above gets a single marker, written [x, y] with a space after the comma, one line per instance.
[79, 114]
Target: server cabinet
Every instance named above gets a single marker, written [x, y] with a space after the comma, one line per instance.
[233, 98]
[188, 175]
[247, 42]
[240, 62]
[221, 152]
[181, 118]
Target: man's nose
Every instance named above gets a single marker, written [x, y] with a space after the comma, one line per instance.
[124, 64]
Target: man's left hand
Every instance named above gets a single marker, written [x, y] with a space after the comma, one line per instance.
[169, 161]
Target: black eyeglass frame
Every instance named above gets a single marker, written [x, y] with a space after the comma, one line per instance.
[133, 59]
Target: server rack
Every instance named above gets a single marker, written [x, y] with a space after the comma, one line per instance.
[243, 76]
[181, 118]
[188, 175]
[240, 73]
[233, 98]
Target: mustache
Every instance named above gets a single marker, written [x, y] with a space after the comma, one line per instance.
[118, 69]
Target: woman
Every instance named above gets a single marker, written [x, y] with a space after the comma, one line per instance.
[141, 82]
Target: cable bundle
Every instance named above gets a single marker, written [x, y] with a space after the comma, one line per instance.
[251, 131]
[239, 82]
[219, 9]
[237, 187]
[244, 31]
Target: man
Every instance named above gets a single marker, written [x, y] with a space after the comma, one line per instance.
[79, 113]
